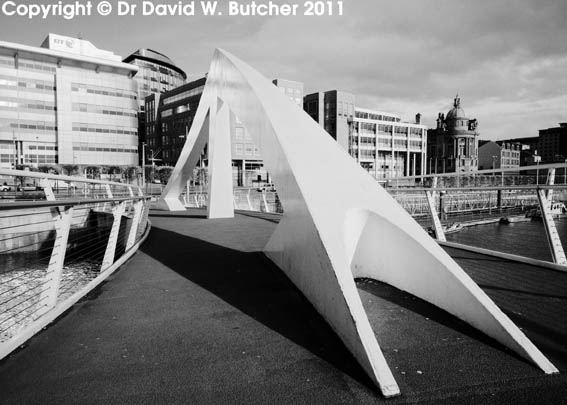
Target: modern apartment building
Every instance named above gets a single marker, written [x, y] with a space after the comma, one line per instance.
[66, 102]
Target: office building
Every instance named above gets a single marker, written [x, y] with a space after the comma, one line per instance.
[169, 117]
[552, 144]
[292, 89]
[499, 155]
[156, 74]
[334, 111]
[66, 103]
[453, 144]
[247, 164]
[387, 147]
[382, 144]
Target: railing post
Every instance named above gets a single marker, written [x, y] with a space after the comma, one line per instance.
[550, 182]
[108, 195]
[551, 231]
[133, 234]
[267, 209]
[117, 212]
[62, 217]
[437, 227]
[248, 199]
[47, 189]
[143, 218]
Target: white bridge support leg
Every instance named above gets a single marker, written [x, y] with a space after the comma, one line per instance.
[550, 182]
[221, 196]
[62, 217]
[136, 219]
[117, 212]
[555, 244]
[265, 201]
[437, 227]
[339, 223]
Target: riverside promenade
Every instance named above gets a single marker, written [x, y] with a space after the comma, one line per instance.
[199, 315]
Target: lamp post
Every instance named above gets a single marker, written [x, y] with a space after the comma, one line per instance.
[15, 151]
[143, 164]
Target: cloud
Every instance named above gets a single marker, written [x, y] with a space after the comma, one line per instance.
[505, 58]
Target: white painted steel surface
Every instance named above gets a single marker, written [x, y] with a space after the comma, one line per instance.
[338, 222]
[221, 203]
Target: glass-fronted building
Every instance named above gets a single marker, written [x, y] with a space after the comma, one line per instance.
[157, 74]
[169, 117]
[66, 102]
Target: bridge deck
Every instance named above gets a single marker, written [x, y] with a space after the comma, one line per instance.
[200, 316]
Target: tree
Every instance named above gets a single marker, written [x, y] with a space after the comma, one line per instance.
[164, 173]
[131, 173]
[70, 170]
[114, 171]
[49, 169]
[92, 172]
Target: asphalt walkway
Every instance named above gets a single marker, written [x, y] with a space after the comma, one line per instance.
[200, 316]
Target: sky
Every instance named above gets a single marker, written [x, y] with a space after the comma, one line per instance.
[506, 59]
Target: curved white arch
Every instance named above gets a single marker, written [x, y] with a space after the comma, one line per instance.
[334, 214]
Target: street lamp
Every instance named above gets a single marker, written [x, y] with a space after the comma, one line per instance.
[15, 151]
[143, 164]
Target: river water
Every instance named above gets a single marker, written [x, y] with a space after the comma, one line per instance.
[520, 238]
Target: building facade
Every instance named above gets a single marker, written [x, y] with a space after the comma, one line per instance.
[156, 74]
[380, 142]
[499, 155]
[334, 111]
[528, 149]
[292, 89]
[168, 119]
[552, 144]
[453, 144]
[66, 103]
[387, 147]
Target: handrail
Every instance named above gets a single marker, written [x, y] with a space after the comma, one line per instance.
[66, 203]
[40, 175]
[487, 188]
[475, 172]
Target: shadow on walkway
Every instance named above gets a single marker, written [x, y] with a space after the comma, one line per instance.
[254, 285]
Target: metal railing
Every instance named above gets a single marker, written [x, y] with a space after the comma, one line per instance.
[60, 237]
[444, 203]
[449, 202]
[260, 199]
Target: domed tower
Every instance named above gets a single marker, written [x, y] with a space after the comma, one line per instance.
[454, 143]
